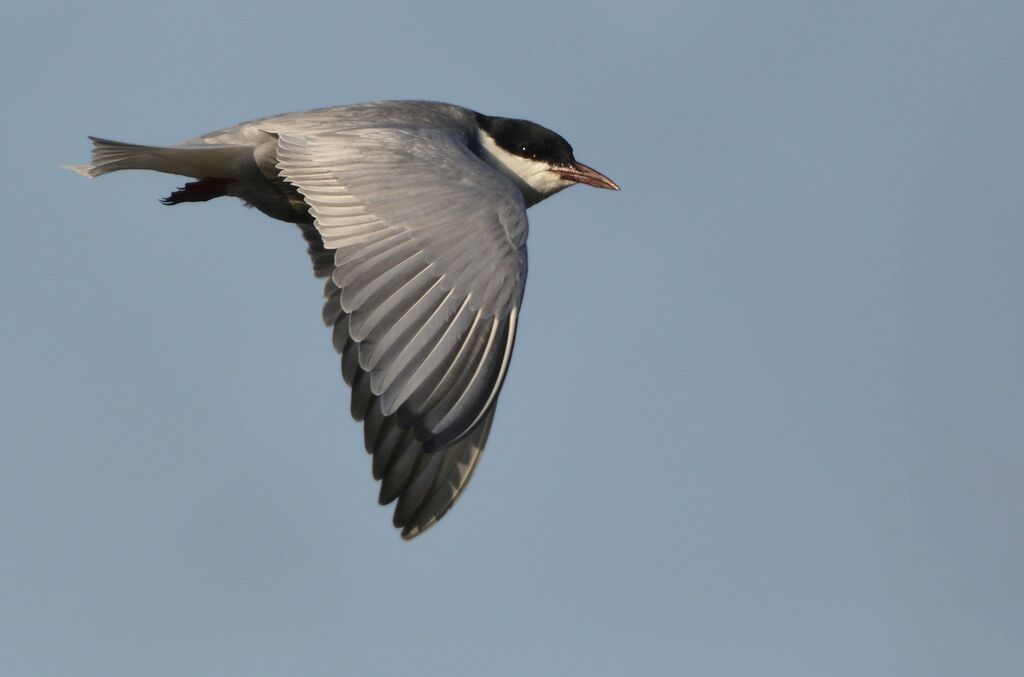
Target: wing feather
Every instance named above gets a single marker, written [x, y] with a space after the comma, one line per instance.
[383, 346]
[429, 263]
[386, 311]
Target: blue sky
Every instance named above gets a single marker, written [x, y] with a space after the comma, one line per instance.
[764, 415]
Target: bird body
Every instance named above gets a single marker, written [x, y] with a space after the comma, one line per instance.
[415, 212]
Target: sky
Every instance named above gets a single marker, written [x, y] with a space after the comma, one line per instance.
[765, 411]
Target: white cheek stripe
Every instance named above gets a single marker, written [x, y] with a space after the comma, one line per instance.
[535, 178]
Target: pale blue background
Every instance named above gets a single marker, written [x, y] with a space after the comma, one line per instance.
[765, 415]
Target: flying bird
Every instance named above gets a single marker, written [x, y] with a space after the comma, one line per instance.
[415, 214]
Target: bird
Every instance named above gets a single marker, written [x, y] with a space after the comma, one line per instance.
[414, 214]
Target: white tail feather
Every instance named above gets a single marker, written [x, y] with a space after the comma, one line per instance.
[196, 161]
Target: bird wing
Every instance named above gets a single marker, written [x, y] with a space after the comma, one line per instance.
[429, 265]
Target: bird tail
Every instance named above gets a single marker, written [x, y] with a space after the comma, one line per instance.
[195, 160]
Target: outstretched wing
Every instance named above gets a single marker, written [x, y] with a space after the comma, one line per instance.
[429, 264]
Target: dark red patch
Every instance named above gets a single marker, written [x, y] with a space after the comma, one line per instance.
[199, 191]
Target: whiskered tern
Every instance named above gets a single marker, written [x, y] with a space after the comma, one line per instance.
[415, 213]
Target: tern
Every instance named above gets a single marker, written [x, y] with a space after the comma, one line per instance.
[415, 214]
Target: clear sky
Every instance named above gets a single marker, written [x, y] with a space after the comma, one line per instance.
[765, 415]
